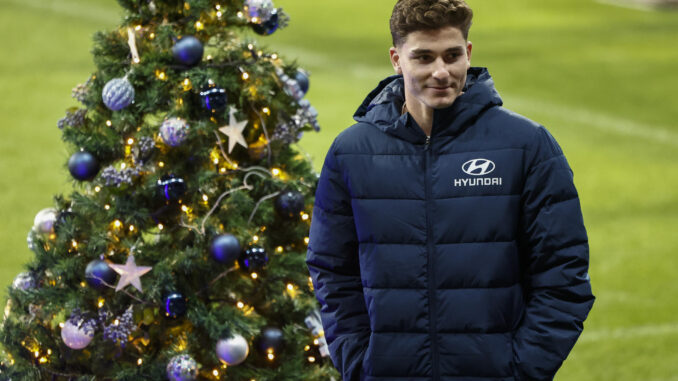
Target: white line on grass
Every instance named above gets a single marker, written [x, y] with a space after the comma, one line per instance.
[629, 332]
[628, 4]
[598, 120]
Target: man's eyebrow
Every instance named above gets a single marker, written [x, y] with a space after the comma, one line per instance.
[429, 51]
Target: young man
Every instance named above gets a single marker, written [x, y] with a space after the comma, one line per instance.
[447, 241]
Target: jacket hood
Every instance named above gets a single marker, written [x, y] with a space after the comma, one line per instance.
[382, 107]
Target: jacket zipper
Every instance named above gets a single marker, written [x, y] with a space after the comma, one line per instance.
[431, 265]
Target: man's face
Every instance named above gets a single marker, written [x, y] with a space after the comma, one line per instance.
[433, 64]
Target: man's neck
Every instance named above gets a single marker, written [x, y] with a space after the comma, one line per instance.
[422, 115]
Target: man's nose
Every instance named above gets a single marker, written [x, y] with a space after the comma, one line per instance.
[440, 70]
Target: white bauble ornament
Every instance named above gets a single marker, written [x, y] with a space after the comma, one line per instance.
[44, 221]
[233, 351]
[76, 337]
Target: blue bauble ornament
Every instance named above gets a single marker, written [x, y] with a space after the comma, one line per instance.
[171, 188]
[118, 94]
[289, 204]
[98, 272]
[302, 80]
[253, 258]
[174, 131]
[269, 26]
[225, 248]
[271, 338]
[175, 305]
[182, 368]
[188, 51]
[214, 99]
[83, 166]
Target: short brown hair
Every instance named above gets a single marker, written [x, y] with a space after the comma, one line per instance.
[414, 15]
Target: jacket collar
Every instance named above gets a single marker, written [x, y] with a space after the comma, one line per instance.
[382, 107]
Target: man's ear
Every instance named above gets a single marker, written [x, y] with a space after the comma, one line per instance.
[395, 60]
[469, 49]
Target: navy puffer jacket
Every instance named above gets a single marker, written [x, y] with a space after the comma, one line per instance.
[459, 257]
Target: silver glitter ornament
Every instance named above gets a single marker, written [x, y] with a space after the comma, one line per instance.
[44, 221]
[174, 131]
[233, 351]
[118, 94]
[259, 11]
[24, 281]
[182, 368]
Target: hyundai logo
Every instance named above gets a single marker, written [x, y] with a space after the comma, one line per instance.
[478, 167]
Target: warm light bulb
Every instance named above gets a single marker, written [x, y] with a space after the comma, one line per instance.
[140, 361]
[290, 287]
[61, 325]
[304, 216]
[255, 239]
[138, 27]
[187, 84]
[217, 6]
[271, 356]
[161, 164]
[184, 208]
[109, 123]
[240, 305]
[215, 373]
[199, 26]
[151, 36]
[107, 207]
[311, 359]
[97, 189]
[131, 228]
[266, 110]
[74, 243]
[279, 249]
[274, 56]
[245, 75]
[306, 240]
[315, 342]
[117, 223]
[205, 198]
[239, 14]
[161, 226]
[123, 166]
[219, 14]
[100, 303]
[255, 275]
[275, 171]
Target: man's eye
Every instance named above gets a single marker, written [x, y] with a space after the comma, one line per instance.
[423, 58]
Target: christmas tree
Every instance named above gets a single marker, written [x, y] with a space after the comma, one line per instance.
[180, 253]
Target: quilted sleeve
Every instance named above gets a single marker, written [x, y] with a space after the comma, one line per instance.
[556, 260]
[332, 260]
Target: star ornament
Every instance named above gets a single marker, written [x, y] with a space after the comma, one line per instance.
[130, 273]
[234, 131]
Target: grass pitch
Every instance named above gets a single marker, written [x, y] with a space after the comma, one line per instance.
[602, 78]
